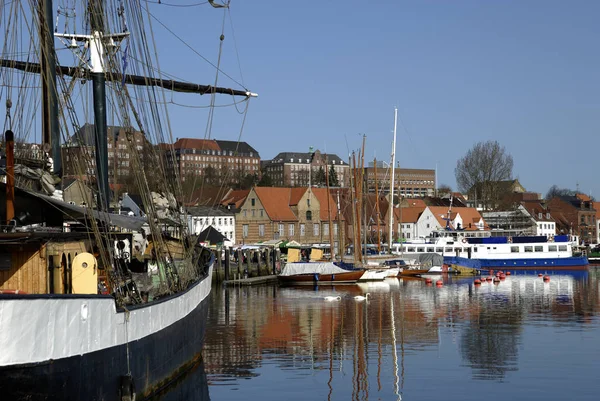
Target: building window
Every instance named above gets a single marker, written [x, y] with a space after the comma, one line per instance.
[261, 213]
[291, 230]
[302, 230]
[261, 230]
[245, 231]
[326, 229]
[281, 230]
[316, 229]
[253, 201]
[335, 229]
[308, 202]
[308, 215]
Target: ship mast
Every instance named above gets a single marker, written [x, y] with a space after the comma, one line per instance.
[391, 207]
[51, 133]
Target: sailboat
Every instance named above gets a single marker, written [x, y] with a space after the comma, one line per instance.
[94, 305]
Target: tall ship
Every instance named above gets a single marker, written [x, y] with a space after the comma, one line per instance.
[95, 304]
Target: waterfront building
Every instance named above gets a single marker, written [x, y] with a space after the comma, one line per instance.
[435, 218]
[291, 214]
[575, 215]
[200, 218]
[297, 169]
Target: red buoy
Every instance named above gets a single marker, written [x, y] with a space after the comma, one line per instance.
[427, 281]
[540, 275]
[502, 277]
[439, 283]
[496, 280]
[508, 273]
[501, 272]
[546, 278]
[489, 279]
[477, 281]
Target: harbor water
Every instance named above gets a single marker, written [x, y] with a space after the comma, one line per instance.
[521, 338]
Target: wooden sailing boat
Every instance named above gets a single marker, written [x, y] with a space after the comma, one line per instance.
[77, 321]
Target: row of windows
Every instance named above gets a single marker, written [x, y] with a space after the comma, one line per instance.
[291, 230]
[212, 220]
[537, 248]
[213, 152]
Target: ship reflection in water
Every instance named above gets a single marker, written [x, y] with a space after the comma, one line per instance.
[520, 338]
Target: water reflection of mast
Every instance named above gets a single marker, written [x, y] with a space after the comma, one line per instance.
[331, 342]
[379, 349]
[395, 354]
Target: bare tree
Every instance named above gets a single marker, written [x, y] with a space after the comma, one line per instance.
[480, 172]
[556, 191]
[443, 190]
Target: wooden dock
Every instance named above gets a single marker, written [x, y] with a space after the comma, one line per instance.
[252, 280]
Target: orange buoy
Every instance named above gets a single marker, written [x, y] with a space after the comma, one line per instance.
[439, 283]
[546, 278]
[540, 275]
[477, 281]
[508, 273]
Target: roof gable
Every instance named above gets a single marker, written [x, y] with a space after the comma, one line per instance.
[276, 202]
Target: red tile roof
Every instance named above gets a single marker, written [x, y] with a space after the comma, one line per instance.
[193, 143]
[276, 202]
[321, 195]
[296, 194]
[236, 198]
[468, 215]
[409, 214]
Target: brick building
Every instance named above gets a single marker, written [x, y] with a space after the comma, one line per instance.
[216, 160]
[291, 169]
[409, 182]
[298, 214]
[79, 153]
[574, 215]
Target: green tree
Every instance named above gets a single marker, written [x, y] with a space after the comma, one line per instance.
[319, 179]
[211, 177]
[265, 181]
[480, 172]
[248, 181]
[333, 178]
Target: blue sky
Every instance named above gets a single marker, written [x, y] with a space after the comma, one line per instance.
[524, 73]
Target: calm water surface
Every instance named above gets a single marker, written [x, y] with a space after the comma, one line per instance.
[521, 339]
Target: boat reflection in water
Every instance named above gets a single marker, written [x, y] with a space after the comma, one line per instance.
[407, 339]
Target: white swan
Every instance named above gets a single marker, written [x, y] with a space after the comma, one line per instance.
[362, 298]
[338, 298]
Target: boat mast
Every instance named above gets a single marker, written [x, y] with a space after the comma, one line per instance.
[393, 166]
[331, 248]
[96, 10]
[51, 133]
[9, 137]
[377, 208]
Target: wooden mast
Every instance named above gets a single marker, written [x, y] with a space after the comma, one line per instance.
[10, 175]
[377, 208]
[331, 247]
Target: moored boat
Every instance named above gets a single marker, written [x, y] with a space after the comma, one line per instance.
[313, 273]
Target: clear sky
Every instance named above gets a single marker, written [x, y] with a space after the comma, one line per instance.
[525, 73]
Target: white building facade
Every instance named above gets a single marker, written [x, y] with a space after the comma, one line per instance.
[201, 217]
